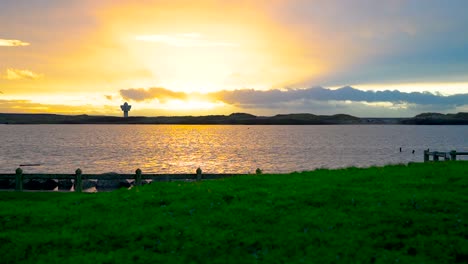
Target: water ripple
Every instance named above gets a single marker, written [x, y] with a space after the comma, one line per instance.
[217, 148]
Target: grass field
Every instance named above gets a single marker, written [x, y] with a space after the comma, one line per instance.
[394, 214]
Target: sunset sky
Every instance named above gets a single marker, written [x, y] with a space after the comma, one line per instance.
[263, 57]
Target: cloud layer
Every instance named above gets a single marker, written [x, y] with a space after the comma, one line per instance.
[248, 98]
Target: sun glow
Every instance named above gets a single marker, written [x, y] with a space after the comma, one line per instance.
[180, 57]
[388, 105]
[197, 48]
[183, 46]
[108, 105]
[184, 40]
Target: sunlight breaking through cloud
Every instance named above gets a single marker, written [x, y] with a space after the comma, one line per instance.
[184, 40]
[13, 43]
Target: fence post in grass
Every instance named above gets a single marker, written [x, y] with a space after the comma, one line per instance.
[19, 180]
[453, 155]
[138, 177]
[78, 181]
[199, 174]
[436, 156]
[426, 155]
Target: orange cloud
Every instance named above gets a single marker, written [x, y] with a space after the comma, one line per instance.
[13, 43]
[16, 74]
[27, 106]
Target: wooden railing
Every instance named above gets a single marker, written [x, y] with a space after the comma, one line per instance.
[436, 155]
[138, 177]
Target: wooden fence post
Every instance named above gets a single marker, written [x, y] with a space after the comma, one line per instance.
[19, 180]
[426, 155]
[199, 174]
[78, 181]
[453, 154]
[138, 177]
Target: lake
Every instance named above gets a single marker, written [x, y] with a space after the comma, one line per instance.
[218, 148]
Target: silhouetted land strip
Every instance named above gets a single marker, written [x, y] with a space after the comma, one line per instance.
[413, 213]
[236, 119]
[438, 119]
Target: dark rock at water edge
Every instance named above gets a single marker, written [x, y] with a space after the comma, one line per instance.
[49, 184]
[86, 184]
[89, 184]
[112, 184]
[32, 185]
[143, 182]
[7, 184]
[65, 184]
[39, 184]
[106, 184]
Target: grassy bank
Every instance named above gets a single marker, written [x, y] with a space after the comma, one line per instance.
[406, 214]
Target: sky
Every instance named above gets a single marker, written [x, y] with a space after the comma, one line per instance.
[388, 58]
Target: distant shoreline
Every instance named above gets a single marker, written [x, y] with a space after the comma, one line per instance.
[237, 119]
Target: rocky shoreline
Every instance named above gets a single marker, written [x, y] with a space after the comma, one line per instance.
[68, 184]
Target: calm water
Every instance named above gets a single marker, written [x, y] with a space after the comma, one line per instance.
[217, 149]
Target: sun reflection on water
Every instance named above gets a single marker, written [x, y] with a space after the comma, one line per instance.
[216, 148]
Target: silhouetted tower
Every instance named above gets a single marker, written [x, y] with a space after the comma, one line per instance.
[125, 108]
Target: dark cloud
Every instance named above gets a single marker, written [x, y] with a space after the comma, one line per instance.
[248, 98]
[351, 94]
[255, 98]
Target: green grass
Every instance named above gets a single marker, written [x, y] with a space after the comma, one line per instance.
[394, 214]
